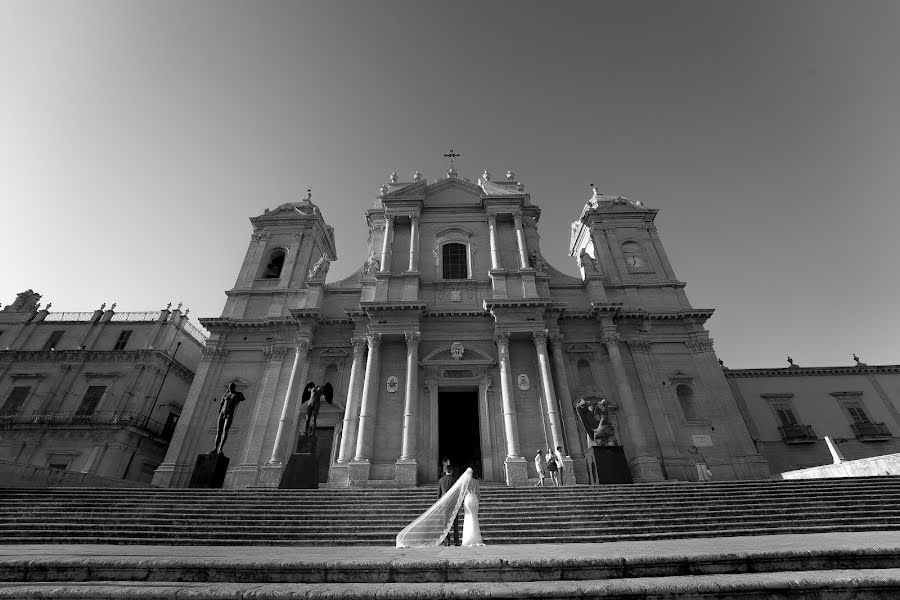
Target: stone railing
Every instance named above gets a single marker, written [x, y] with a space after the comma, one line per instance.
[871, 431]
[194, 331]
[135, 316]
[68, 420]
[797, 434]
[69, 316]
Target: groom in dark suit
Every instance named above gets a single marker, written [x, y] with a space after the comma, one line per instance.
[444, 484]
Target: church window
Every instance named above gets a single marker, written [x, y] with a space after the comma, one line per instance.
[53, 341]
[275, 264]
[856, 411]
[688, 404]
[123, 340]
[455, 261]
[585, 377]
[15, 400]
[169, 428]
[91, 400]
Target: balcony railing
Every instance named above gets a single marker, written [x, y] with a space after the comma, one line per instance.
[69, 420]
[871, 431]
[797, 434]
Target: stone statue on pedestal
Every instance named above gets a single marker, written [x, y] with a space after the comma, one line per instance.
[595, 419]
[314, 394]
[226, 414]
[319, 269]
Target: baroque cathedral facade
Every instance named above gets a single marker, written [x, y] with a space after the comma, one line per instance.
[456, 339]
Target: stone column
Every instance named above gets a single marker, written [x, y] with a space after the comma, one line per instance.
[570, 425]
[386, 244]
[492, 230]
[520, 241]
[405, 472]
[665, 434]
[408, 451]
[540, 343]
[510, 420]
[516, 466]
[644, 466]
[369, 399]
[660, 251]
[414, 243]
[351, 410]
[279, 447]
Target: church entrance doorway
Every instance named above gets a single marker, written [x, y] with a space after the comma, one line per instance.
[458, 432]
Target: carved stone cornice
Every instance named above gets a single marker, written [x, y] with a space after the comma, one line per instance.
[412, 339]
[275, 352]
[807, 371]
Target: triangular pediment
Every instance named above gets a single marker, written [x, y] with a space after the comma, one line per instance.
[413, 190]
[452, 191]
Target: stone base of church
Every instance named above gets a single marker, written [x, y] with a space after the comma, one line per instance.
[516, 471]
[359, 471]
[568, 471]
[270, 475]
[242, 476]
[405, 472]
[646, 468]
[339, 475]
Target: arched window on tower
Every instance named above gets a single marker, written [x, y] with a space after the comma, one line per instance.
[688, 404]
[454, 261]
[276, 262]
[585, 377]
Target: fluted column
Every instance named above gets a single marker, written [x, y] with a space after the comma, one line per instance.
[414, 243]
[279, 447]
[510, 420]
[369, 399]
[386, 244]
[520, 241]
[351, 410]
[492, 230]
[540, 343]
[408, 451]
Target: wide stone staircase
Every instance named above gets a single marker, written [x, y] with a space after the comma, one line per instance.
[508, 515]
[799, 540]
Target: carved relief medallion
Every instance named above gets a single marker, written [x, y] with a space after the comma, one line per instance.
[393, 384]
[523, 382]
[457, 350]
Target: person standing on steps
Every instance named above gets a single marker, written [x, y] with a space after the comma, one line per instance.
[552, 467]
[539, 467]
[444, 484]
[471, 529]
[560, 465]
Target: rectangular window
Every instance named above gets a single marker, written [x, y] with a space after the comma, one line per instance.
[59, 461]
[123, 340]
[169, 428]
[91, 399]
[455, 263]
[53, 341]
[856, 412]
[15, 400]
[786, 415]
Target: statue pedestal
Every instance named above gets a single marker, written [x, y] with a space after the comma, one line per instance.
[209, 471]
[607, 464]
[302, 469]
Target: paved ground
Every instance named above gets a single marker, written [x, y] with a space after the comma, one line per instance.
[762, 544]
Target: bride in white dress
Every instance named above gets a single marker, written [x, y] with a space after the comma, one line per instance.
[432, 526]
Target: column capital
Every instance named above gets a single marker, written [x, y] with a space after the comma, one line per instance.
[274, 352]
[412, 339]
[611, 338]
[540, 337]
[517, 219]
[700, 344]
[389, 219]
[303, 345]
[414, 217]
[492, 218]
[639, 345]
[501, 338]
[556, 338]
[374, 340]
[213, 353]
[359, 345]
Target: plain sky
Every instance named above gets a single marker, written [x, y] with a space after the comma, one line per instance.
[136, 138]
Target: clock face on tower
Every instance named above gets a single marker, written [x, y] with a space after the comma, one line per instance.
[634, 262]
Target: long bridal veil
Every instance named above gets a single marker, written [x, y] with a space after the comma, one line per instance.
[432, 526]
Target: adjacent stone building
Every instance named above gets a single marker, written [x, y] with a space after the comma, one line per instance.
[92, 392]
[455, 338]
[790, 410]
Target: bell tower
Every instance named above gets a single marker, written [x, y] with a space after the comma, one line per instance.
[290, 248]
